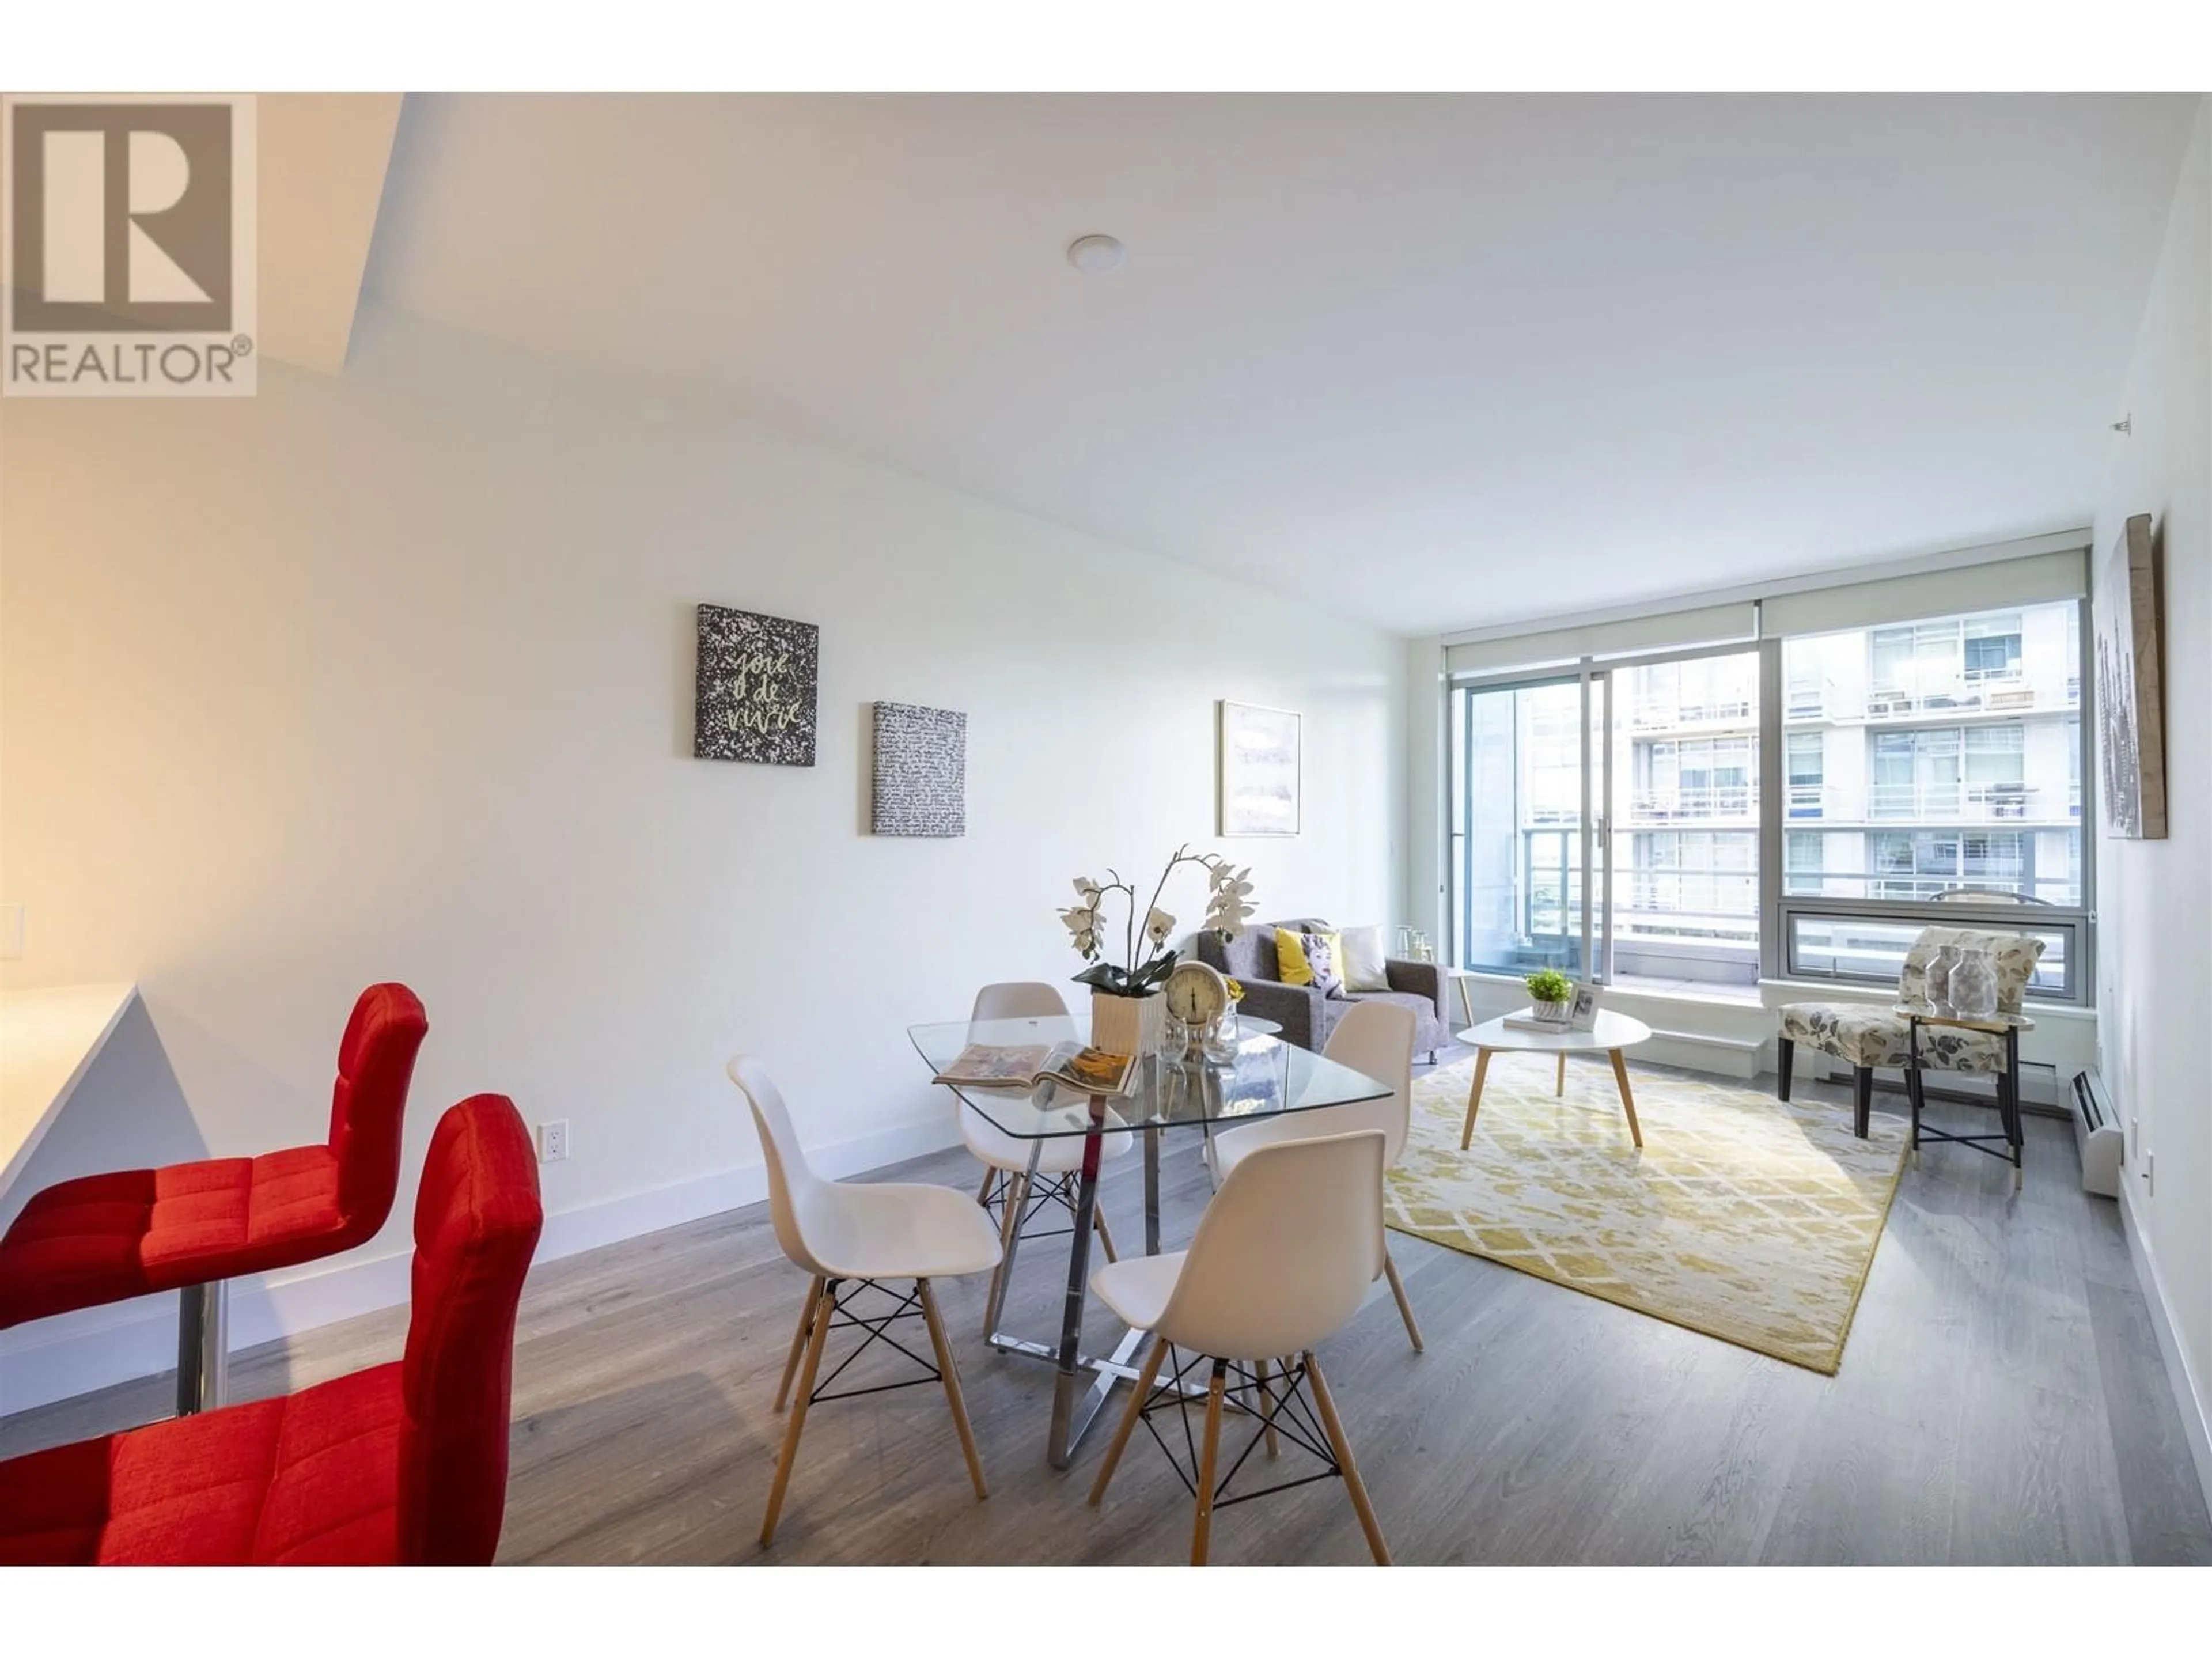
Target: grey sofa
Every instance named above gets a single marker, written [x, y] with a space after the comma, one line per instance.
[1305, 1015]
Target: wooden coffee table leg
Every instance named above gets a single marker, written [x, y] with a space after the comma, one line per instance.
[1561, 1088]
[1475, 1097]
[1627, 1095]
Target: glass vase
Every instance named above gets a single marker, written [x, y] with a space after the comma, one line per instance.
[1939, 975]
[1974, 985]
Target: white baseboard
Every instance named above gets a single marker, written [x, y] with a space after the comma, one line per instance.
[1721, 1056]
[2188, 1388]
[76, 1353]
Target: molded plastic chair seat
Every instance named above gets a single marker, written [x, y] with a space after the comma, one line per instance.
[1282, 1258]
[852, 1237]
[1375, 1038]
[404, 1463]
[1059, 1155]
[1009, 1182]
[1137, 1288]
[895, 1230]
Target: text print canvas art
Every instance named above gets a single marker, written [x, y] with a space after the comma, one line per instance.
[757, 688]
[920, 786]
[2130, 696]
[1259, 771]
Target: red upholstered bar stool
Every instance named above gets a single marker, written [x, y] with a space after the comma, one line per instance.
[401, 1465]
[193, 1227]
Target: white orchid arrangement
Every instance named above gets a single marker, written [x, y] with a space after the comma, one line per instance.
[1148, 954]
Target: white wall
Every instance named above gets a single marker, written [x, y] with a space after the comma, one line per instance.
[389, 676]
[2155, 897]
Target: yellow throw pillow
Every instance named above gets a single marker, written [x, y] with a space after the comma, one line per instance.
[1291, 963]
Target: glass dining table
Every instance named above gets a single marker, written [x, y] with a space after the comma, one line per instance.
[1265, 1077]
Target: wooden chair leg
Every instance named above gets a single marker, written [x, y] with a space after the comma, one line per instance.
[1560, 1087]
[1144, 1381]
[1861, 1100]
[983, 1192]
[1785, 1051]
[1405, 1306]
[1627, 1096]
[1342, 1448]
[798, 1339]
[1475, 1097]
[1266, 1414]
[951, 1374]
[1105, 1232]
[1208, 1456]
[823, 1310]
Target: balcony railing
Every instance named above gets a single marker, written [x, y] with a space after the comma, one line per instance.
[1656, 716]
[1694, 805]
[1943, 803]
[1974, 690]
[1934, 803]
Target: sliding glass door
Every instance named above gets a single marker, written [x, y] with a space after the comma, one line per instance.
[1605, 823]
[1530, 770]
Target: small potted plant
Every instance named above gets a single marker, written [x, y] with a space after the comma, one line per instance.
[1551, 991]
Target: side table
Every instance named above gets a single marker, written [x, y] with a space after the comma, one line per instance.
[2010, 1139]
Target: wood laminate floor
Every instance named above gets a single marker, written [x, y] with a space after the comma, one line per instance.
[2001, 1399]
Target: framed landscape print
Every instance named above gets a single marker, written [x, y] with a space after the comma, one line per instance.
[2130, 692]
[1257, 770]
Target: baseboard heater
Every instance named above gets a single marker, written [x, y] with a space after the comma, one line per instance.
[2099, 1134]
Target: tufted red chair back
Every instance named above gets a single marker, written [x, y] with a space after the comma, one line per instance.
[376, 1062]
[477, 1220]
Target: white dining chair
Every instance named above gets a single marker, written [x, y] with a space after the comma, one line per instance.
[1282, 1258]
[1018, 1192]
[852, 1237]
[1377, 1039]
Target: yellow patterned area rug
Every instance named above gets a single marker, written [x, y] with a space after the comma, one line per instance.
[1746, 1218]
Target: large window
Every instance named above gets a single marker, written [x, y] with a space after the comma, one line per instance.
[1948, 766]
[1647, 779]
[1608, 821]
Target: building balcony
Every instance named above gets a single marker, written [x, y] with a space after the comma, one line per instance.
[1673, 716]
[1712, 804]
[1984, 692]
[1935, 802]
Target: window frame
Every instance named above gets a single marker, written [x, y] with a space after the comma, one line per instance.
[1782, 912]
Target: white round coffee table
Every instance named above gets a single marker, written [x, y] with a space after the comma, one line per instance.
[1613, 1033]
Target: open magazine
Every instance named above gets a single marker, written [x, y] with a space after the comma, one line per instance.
[1024, 1066]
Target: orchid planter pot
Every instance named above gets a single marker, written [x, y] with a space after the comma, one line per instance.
[1127, 1025]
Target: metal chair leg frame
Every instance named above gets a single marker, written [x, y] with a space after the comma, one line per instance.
[202, 1347]
[1281, 1414]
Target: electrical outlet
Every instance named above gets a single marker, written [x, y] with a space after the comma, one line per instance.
[553, 1142]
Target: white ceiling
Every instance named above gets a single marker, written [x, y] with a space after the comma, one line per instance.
[1436, 360]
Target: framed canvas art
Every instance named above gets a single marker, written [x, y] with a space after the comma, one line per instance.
[921, 782]
[2131, 690]
[1257, 770]
[757, 678]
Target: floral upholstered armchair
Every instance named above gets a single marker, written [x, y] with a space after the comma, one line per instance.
[1864, 1035]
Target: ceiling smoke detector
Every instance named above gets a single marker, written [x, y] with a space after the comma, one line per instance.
[1092, 254]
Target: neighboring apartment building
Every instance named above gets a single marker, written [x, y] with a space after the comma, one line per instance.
[1918, 759]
